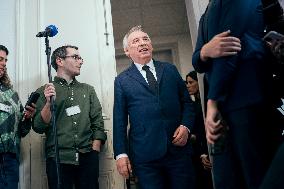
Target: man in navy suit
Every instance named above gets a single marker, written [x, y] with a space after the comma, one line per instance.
[231, 52]
[152, 96]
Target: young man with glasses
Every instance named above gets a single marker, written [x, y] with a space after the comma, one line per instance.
[79, 122]
[14, 124]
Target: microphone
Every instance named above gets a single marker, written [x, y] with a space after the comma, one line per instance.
[49, 31]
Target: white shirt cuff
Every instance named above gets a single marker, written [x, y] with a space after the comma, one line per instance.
[186, 128]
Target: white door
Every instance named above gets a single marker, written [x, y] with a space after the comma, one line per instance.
[88, 25]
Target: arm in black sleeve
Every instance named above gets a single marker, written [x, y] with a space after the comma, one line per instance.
[234, 17]
[197, 63]
[24, 126]
[120, 120]
[188, 112]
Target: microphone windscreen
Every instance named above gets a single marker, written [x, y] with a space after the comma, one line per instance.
[52, 30]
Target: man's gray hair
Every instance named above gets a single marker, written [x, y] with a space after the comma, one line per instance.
[133, 29]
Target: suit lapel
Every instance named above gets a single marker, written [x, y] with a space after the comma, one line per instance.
[134, 73]
[159, 70]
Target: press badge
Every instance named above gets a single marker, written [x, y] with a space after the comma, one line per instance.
[5, 108]
[77, 156]
[73, 110]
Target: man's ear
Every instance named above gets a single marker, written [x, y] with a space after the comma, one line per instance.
[59, 61]
[126, 52]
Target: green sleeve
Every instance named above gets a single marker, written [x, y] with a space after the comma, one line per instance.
[97, 123]
[39, 125]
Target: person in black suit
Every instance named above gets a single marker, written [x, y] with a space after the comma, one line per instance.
[274, 177]
[273, 13]
[153, 97]
[200, 156]
[233, 56]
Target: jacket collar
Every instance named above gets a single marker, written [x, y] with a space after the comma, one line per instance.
[135, 74]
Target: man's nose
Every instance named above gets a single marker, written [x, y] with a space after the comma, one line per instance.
[142, 43]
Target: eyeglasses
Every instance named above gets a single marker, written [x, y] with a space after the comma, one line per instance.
[2, 58]
[75, 57]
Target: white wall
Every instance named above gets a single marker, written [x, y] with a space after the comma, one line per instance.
[8, 33]
[181, 45]
[183, 53]
[83, 24]
[80, 23]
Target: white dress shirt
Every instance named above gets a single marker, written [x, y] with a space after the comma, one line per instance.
[143, 72]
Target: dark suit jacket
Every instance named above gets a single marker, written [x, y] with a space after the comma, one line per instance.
[240, 80]
[200, 143]
[153, 118]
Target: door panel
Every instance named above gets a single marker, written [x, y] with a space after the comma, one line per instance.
[88, 25]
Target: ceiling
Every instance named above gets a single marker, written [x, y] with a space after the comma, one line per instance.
[158, 17]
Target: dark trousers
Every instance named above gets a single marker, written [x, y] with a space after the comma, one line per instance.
[174, 171]
[9, 171]
[250, 145]
[82, 176]
[203, 176]
[274, 177]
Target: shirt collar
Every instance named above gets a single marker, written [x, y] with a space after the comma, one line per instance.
[63, 81]
[150, 64]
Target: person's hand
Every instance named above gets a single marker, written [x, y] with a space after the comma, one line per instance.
[124, 167]
[206, 162]
[277, 48]
[180, 136]
[96, 145]
[212, 123]
[29, 111]
[49, 91]
[220, 45]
